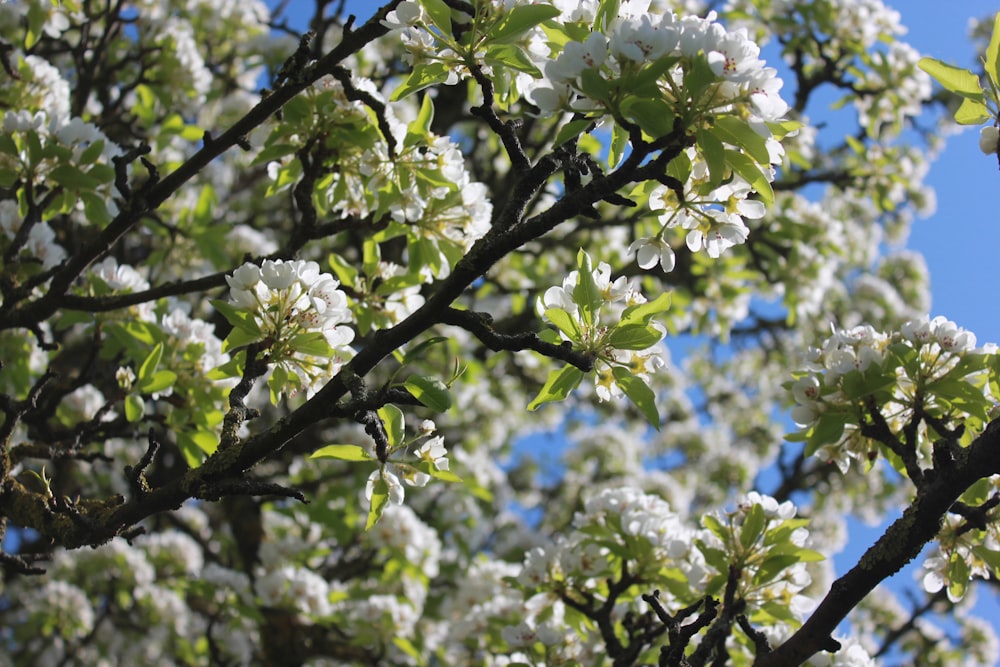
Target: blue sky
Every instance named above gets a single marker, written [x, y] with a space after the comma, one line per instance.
[961, 239]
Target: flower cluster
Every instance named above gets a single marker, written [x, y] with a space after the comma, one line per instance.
[712, 72]
[66, 152]
[298, 313]
[768, 544]
[635, 41]
[431, 452]
[396, 463]
[959, 555]
[611, 322]
[917, 368]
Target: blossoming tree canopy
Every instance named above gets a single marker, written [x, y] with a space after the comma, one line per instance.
[287, 314]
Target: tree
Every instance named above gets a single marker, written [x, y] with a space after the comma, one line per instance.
[273, 352]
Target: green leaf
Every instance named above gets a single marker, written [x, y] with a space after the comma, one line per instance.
[714, 153]
[753, 526]
[519, 20]
[342, 452]
[392, 418]
[564, 322]
[443, 475]
[752, 174]
[958, 576]
[642, 313]
[557, 386]
[422, 76]
[135, 407]
[654, 117]
[195, 445]
[594, 85]
[955, 79]
[513, 57]
[586, 295]
[571, 130]
[712, 522]
[312, 343]
[150, 364]
[238, 338]
[738, 132]
[607, 12]
[992, 60]
[417, 350]
[619, 142]
[772, 567]
[407, 647]
[827, 430]
[634, 337]
[418, 130]
[159, 381]
[91, 152]
[279, 382]
[71, 177]
[380, 498]
[639, 393]
[972, 112]
[340, 266]
[238, 318]
[430, 391]
[37, 15]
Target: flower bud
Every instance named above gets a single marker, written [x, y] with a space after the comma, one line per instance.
[988, 139]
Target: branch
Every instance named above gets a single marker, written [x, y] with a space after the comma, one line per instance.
[900, 544]
[518, 159]
[377, 107]
[478, 324]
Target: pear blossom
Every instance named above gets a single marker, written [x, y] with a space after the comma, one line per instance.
[650, 251]
[396, 490]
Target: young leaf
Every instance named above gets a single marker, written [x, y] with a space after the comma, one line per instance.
[238, 338]
[380, 498]
[752, 174]
[422, 76]
[571, 130]
[642, 313]
[564, 322]
[586, 295]
[955, 79]
[158, 381]
[992, 60]
[238, 318]
[312, 343]
[753, 526]
[150, 364]
[134, 408]
[345, 271]
[738, 132]
[418, 349]
[634, 337]
[443, 475]
[392, 418]
[430, 391]
[557, 386]
[519, 20]
[639, 393]
[342, 452]
[972, 112]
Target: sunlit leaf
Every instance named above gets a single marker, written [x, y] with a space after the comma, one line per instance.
[342, 452]
[558, 386]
